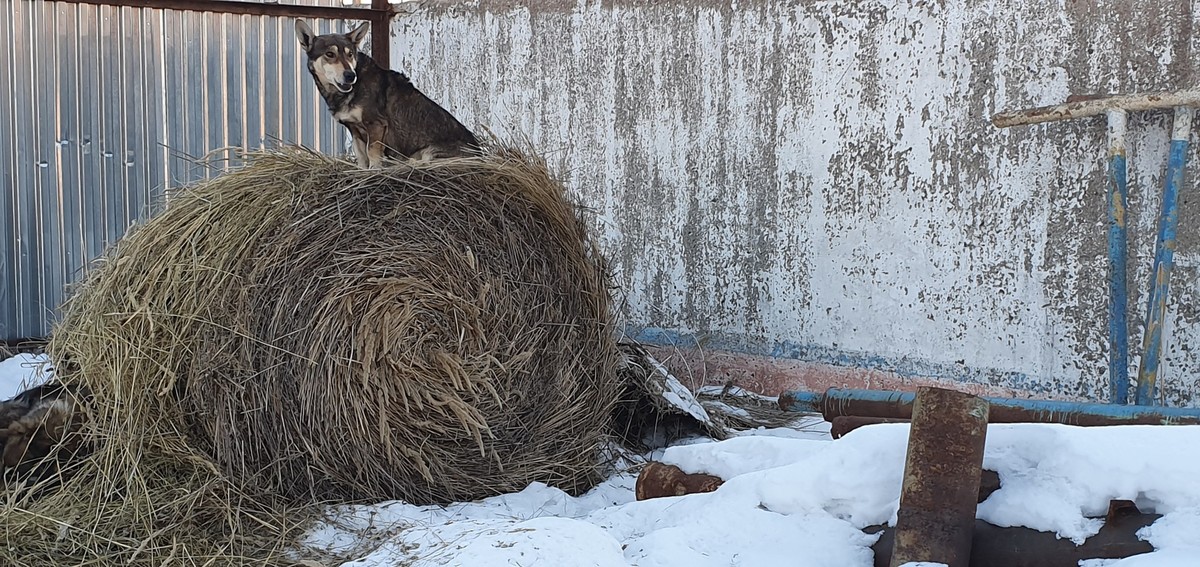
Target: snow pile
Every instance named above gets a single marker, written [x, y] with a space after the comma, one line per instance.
[787, 499]
[1071, 473]
[789, 495]
[21, 372]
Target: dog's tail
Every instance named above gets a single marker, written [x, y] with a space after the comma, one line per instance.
[442, 151]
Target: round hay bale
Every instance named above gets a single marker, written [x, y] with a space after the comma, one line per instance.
[431, 332]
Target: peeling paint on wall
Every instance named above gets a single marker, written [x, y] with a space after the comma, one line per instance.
[819, 179]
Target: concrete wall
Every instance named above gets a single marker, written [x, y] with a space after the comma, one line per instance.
[796, 192]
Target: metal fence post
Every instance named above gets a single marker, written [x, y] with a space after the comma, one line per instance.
[1164, 257]
[1118, 293]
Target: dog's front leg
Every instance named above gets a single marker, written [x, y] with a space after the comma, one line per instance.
[375, 147]
[360, 152]
[375, 154]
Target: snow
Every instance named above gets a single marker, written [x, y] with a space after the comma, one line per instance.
[21, 372]
[736, 391]
[791, 496]
[742, 455]
[1072, 473]
[803, 427]
[730, 410]
[678, 395]
[797, 499]
[545, 540]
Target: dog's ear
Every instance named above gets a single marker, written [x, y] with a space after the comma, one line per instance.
[304, 34]
[359, 33]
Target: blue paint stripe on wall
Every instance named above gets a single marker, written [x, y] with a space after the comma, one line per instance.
[787, 350]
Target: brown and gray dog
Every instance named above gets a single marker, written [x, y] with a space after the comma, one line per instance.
[386, 115]
[36, 428]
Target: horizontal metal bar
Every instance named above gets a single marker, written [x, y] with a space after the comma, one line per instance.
[251, 8]
[1095, 107]
[28, 344]
[898, 405]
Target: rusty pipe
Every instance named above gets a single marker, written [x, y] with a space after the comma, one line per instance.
[658, 480]
[899, 405]
[993, 546]
[941, 478]
[1095, 106]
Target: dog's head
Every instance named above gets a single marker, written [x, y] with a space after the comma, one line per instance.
[332, 58]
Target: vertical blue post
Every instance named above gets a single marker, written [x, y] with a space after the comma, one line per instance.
[1118, 296]
[1164, 258]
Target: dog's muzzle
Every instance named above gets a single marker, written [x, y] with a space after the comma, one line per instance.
[347, 82]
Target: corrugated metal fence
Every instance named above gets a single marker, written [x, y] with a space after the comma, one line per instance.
[108, 106]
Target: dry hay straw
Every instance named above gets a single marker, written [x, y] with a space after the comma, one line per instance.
[303, 331]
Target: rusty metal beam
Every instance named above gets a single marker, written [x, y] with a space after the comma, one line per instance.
[993, 546]
[941, 478]
[899, 405]
[1095, 106]
[28, 344]
[379, 14]
[381, 35]
[251, 8]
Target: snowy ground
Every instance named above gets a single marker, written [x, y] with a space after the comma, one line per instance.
[21, 372]
[790, 497]
[797, 501]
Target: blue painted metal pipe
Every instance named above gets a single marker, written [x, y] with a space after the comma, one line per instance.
[1118, 294]
[898, 405]
[1164, 258]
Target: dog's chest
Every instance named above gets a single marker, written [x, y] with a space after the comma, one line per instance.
[352, 114]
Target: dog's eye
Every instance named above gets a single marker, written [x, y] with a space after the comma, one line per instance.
[330, 54]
